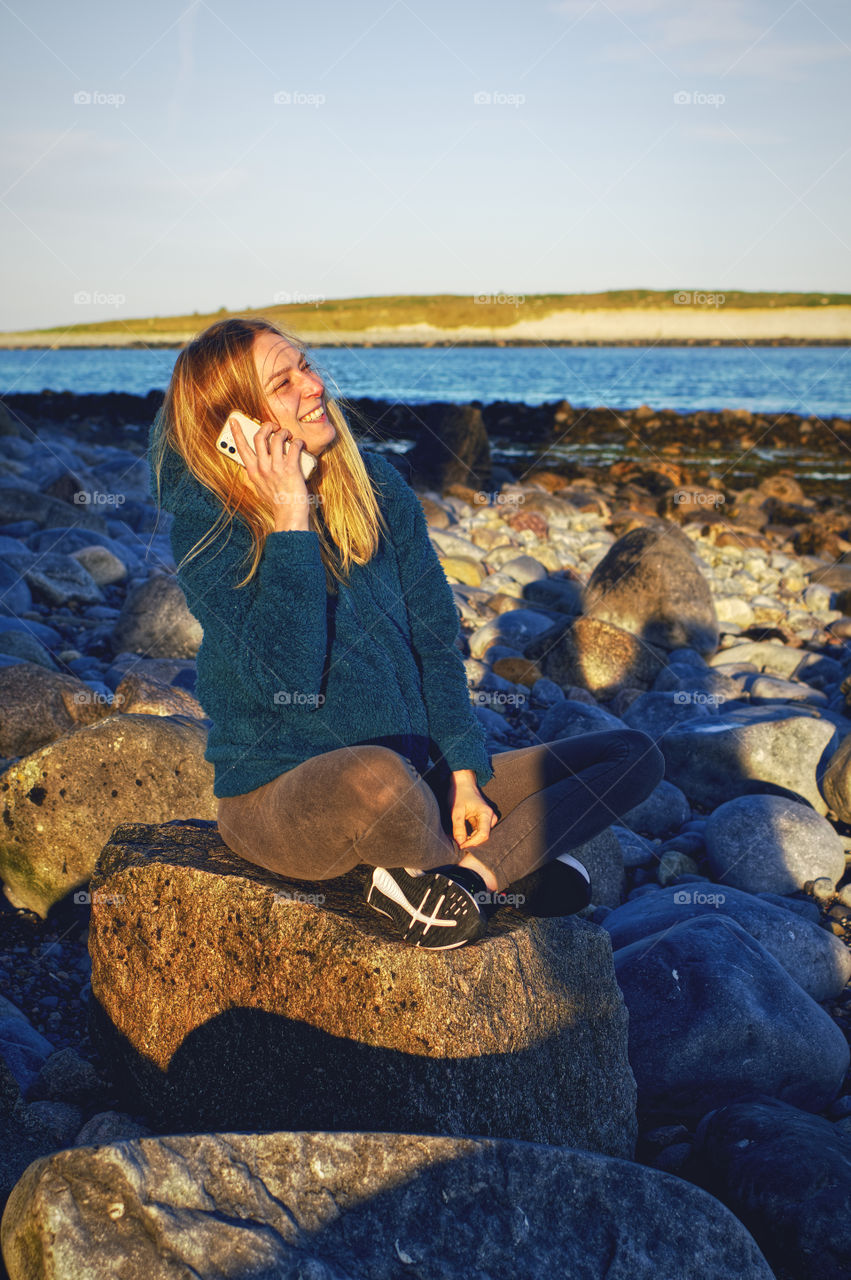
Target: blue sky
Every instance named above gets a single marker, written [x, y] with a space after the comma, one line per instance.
[471, 147]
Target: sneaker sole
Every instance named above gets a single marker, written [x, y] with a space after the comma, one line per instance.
[430, 911]
[566, 861]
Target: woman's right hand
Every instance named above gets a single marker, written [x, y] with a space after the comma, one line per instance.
[276, 476]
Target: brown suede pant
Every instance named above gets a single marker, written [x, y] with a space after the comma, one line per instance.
[368, 804]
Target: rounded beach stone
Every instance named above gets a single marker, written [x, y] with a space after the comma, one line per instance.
[61, 802]
[661, 814]
[103, 566]
[373, 1205]
[595, 655]
[143, 695]
[38, 706]
[15, 595]
[155, 621]
[299, 1007]
[58, 578]
[568, 718]
[770, 844]
[22, 645]
[819, 962]
[739, 753]
[515, 627]
[785, 1175]
[656, 713]
[836, 783]
[650, 583]
[714, 1018]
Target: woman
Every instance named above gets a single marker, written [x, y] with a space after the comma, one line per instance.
[330, 671]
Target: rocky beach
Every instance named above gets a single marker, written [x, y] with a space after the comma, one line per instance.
[204, 1069]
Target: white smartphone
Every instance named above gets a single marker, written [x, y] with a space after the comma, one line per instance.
[250, 426]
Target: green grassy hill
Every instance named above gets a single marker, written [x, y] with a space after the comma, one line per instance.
[444, 311]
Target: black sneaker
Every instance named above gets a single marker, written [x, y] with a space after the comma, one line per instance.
[558, 888]
[437, 909]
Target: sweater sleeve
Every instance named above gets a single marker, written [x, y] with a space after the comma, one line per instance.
[273, 630]
[435, 626]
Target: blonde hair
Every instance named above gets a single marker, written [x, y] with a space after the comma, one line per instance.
[214, 374]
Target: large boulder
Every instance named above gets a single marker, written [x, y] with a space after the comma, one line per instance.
[227, 996]
[595, 655]
[660, 814]
[738, 754]
[786, 1175]
[142, 694]
[657, 712]
[570, 719]
[650, 583]
[770, 844]
[373, 1205]
[452, 448]
[61, 803]
[817, 960]
[836, 783]
[38, 706]
[713, 1018]
[155, 621]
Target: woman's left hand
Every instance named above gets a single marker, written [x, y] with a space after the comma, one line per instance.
[467, 804]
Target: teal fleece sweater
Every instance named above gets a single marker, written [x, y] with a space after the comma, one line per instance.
[287, 671]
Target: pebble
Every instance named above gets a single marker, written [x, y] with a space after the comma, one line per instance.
[768, 843]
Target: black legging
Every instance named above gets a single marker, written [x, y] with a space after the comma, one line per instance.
[368, 804]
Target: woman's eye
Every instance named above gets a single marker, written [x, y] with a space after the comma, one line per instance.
[285, 382]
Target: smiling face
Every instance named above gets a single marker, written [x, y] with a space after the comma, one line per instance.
[295, 394]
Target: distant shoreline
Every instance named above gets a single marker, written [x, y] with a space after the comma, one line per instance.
[628, 326]
[448, 342]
